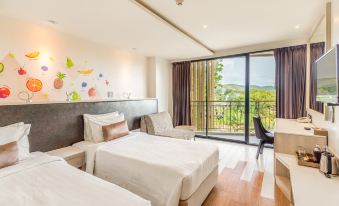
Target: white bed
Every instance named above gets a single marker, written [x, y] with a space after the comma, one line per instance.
[167, 171]
[42, 180]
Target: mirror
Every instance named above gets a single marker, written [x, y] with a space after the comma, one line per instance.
[317, 49]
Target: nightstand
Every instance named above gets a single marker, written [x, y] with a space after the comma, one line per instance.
[73, 156]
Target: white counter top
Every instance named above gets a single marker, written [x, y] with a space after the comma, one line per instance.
[309, 186]
[291, 126]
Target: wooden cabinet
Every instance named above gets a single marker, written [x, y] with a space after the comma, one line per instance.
[74, 156]
[289, 134]
[302, 186]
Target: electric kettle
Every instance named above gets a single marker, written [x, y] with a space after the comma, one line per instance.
[328, 164]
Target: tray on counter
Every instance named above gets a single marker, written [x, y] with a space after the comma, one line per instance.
[307, 161]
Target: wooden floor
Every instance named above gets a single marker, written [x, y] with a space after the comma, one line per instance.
[231, 190]
[243, 180]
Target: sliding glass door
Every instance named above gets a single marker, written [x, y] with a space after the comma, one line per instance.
[218, 98]
[227, 92]
[226, 108]
[262, 91]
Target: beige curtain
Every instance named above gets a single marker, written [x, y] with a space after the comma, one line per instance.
[202, 75]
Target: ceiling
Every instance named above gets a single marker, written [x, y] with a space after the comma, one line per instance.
[236, 23]
[125, 25]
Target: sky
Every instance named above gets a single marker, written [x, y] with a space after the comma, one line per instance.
[262, 71]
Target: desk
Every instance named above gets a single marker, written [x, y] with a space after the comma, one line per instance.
[305, 186]
[289, 134]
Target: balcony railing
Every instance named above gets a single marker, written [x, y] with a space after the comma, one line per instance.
[228, 117]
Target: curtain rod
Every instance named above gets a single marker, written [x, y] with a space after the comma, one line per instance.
[240, 54]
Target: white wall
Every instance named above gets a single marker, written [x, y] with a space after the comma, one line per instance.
[335, 21]
[126, 71]
[164, 89]
[160, 77]
[151, 77]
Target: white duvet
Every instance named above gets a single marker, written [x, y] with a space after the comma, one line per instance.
[43, 180]
[160, 169]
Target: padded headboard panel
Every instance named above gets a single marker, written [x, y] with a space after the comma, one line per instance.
[59, 125]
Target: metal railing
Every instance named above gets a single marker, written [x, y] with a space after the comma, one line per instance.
[228, 117]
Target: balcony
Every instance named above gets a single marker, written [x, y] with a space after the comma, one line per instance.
[226, 119]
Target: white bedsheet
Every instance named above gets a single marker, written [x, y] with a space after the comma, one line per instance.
[159, 169]
[43, 180]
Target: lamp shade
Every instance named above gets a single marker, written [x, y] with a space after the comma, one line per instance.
[34, 85]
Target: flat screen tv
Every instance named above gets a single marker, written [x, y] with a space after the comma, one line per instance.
[327, 70]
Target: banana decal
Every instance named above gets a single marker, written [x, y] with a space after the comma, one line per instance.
[33, 55]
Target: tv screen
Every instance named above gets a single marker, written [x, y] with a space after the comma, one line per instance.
[327, 77]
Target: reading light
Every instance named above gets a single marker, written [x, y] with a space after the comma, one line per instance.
[204, 26]
[297, 26]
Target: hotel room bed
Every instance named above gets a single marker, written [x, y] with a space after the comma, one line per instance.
[49, 181]
[167, 171]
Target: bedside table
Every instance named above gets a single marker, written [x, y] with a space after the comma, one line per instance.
[73, 156]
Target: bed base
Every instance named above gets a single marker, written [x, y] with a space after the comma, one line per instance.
[199, 196]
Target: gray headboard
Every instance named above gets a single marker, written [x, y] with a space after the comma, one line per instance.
[58, 125]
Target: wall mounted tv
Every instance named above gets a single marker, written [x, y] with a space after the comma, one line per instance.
[327, 70]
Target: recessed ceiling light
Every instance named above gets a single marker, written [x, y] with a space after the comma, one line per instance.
[134, 48]
[204, 26]
[52, 21]
[297, 26]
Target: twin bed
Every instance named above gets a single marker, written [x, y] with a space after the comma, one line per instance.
[43, 180]
[160, 170]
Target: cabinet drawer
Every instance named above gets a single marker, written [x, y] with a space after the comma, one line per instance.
[77, 162]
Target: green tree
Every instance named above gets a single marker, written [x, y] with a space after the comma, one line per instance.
[218, 86]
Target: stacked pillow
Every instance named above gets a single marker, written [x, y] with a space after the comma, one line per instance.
[87, 117]
[14, 145]
[93, 125]
[115, 130]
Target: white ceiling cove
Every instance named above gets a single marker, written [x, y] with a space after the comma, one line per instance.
[236, 23]
[219, 24]
[118, 23]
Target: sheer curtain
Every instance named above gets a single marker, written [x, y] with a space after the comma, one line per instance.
[181, 93]
[291, 81]
[202, 87]
[316, 51]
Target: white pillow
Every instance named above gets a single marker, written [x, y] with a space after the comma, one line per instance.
[17, 132]
[95, 126]
[87, 135]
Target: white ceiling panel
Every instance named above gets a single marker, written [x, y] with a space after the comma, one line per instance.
[224, 24]
[118, 23]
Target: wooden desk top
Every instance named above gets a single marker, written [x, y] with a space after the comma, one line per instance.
[309, 186]
[291, 126]
[67, 152]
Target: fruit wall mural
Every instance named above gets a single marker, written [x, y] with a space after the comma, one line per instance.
[36, 76]
[59, 82]
[4, 92]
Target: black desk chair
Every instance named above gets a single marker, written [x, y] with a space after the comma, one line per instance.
[261, 133]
